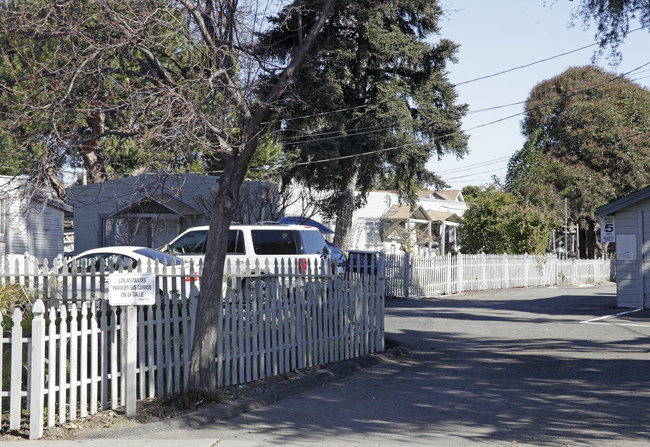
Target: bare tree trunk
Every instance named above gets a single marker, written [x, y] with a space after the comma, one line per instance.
[88, 151]
[203, 377]
[210, 304]
[345, 214]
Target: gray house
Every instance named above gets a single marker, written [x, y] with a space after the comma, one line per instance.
[31, 220]
[151, 209]
[627, 222]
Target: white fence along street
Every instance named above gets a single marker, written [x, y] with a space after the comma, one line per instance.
[66, 359]
[422, 276]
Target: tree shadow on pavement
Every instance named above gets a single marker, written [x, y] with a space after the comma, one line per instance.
[485, 369]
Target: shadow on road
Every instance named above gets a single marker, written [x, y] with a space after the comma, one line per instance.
[488, 367]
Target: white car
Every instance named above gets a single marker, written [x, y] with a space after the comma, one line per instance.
[256, 244]
[119, 256]
[81, 278]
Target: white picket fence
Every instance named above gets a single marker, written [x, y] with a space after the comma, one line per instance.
[432, 276]
[67, 359]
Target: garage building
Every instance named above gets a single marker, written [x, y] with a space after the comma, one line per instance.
[628, 224]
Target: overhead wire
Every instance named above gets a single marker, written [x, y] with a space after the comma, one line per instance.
[546, 100]
[368, 130]
[330, 159]
[480, 78]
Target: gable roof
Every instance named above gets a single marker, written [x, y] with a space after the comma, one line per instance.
[442, 216]
[453, 195]
[403, 212]
[624, 202]
[164, 200]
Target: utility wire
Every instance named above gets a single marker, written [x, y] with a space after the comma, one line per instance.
[545, 101]
[480, 78]
[533, 63]
[308, 162]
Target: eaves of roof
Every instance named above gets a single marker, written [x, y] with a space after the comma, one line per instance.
[624, 202]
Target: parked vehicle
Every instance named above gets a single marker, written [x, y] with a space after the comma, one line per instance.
[256, 245]
[119, 256]
[363, 262]
[339, 260]
[76, 281]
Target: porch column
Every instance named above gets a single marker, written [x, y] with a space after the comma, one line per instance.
[443, 236]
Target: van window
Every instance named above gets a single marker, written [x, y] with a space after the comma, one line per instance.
[194, 243]
[274, 242]
[312, 242]
[236, 242]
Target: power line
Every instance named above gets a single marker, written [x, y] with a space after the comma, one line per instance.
[480, 78]
[476, 166]
[533, 63]
[470, 175]
[305, 163]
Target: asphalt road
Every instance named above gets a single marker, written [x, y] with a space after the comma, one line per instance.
[551, 366]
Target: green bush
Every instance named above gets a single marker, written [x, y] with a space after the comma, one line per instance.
[14, 296]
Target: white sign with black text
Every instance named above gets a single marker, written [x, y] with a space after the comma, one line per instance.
[132, 289]
[607, 229]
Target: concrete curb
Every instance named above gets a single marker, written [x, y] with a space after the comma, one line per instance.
[224, 411]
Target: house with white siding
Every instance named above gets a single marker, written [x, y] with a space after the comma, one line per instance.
[31, 220]
[385, 224]
[628, 223]
[151, 209]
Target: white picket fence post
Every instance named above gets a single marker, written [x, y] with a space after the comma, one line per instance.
[407, 274]
[15, 397]
[460, 266]
[37, 372]
[526, 270]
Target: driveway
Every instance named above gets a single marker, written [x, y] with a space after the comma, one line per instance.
[552, 366]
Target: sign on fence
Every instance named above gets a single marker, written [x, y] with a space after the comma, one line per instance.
[132, 289]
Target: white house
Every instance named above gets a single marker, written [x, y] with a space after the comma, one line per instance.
[31, 220]
[385, 224]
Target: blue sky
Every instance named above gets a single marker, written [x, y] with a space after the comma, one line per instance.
[499, 35]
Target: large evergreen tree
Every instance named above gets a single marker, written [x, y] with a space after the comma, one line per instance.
[586, 136]
[613, 18]
[372, 100]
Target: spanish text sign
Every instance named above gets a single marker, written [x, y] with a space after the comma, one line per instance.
[132, 289]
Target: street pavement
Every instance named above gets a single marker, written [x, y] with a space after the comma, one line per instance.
[542, 366]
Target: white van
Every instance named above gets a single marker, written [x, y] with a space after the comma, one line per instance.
[295, 243]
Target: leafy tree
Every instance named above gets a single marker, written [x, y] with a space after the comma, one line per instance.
[613, 19]
[586, 136]
[83, 109]
[373, 97]
[471, 191]
[264, 164]
[183, 78]
[497, 222]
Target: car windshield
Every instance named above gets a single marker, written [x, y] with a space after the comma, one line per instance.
[193, 243]
[336, 252]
